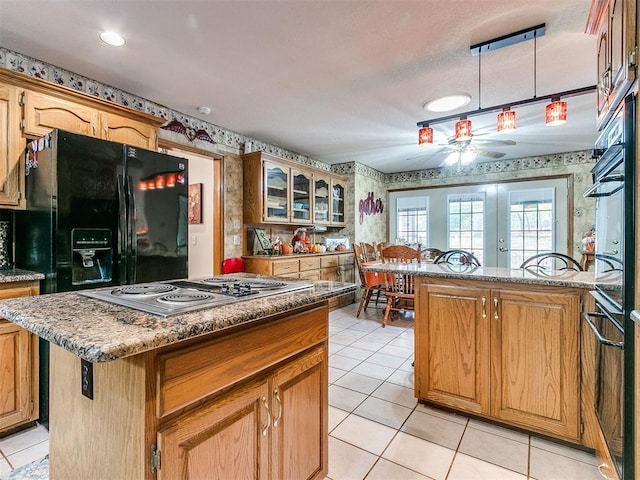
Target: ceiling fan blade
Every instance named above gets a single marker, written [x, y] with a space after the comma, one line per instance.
[493, 142]
[487, 153]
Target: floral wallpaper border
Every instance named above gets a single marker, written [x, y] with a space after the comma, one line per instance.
[35, 68]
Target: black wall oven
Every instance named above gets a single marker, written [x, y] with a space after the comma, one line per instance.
[614, 272]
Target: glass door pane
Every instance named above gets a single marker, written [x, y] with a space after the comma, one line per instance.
[301, 188]
[276, 202]
[321, 201]
[337, 203]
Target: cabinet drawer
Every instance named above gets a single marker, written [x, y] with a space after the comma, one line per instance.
[346, 259]
[310, 275]
[189, 374]
[311, 263]
[285, 267]
[329, 261]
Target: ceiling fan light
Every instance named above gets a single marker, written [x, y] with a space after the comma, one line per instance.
[506, 121]
[451, 159]
[467, 157]
[555, 113]
[463, 130]
[425, 135]
[112, 38]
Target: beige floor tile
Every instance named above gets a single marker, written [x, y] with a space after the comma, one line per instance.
[357, 353]
[359, 383]
[469, 468]
[347, 462]
[402, 378]
[343, 363]
[419, 455]
[335, 417]
[402, 352]
[4, 466]
[386, 470]
[335, 348]
[451, 416]
[23, 439]
[403, 342]
[366, 326]
[345, 399]
[368, 344]
[374, 370]
[364, 433]
[386, 360]
[396, 394]
[496, 449]
[407, 366]
[545, 465]
[335, 374]
[434, 429]
[575, 453]
[513, 434]
[381, 411]
[29, 454]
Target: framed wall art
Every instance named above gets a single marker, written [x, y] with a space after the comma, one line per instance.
[194, 210]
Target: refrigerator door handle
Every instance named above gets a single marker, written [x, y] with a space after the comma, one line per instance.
[122, 232]
[133, 245]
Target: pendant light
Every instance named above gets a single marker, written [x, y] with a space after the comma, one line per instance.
[425, 135]
[555, 112]
[463, 130]
[506, 121]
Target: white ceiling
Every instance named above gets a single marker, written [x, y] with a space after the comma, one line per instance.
[335, 80]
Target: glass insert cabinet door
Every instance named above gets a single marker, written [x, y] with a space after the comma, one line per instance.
[276, 192]
[321, 200]
[337, 202]
[301, 198]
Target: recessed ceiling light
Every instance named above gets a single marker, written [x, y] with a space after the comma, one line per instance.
[447, 103]
[112, 38]
[204, 110]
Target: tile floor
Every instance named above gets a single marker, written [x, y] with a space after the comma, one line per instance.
[377, 430]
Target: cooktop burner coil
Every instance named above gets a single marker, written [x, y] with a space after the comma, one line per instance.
[184, 298]
[155, 289]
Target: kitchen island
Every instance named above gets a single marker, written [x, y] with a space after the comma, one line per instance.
[506, 345]
[236, 391]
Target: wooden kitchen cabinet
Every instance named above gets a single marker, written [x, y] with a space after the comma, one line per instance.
[279, 191]
[11, 149]
[44, 112]
[248, 402]
[506, 354]
[19, 365]
[613, 22]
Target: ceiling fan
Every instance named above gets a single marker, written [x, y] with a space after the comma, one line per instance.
[464, 151]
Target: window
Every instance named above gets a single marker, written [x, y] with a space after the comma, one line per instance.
[466, 223]
[530, 224]
[412, 220]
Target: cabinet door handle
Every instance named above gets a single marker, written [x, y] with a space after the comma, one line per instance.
[265, 429]
[484, 307]
[277, 418]
[495, 308]
[93, 129]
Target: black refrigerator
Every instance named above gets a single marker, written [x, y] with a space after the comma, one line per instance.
[99, 213]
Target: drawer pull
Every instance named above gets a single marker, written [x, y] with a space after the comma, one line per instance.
[495, 308]
[277, 418]
[265, 429]
[484, 307]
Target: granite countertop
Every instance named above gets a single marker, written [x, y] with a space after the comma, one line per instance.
[560, 278]
[298, 255]
[99, 331]
[17, 275]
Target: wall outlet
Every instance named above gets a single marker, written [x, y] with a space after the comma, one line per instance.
[86, 377]
[236, 239]
[194, 240]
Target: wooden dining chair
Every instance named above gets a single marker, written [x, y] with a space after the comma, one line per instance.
[370, 282]
[430, 254]
[399, 287]
[369, 251]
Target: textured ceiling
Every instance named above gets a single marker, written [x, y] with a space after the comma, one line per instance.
[338, 81]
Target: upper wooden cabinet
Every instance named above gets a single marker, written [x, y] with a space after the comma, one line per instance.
[43, 113]
[613, 21]
[283, 192]
[11, 149]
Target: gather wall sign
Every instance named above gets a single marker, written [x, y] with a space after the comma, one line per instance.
[369, 206]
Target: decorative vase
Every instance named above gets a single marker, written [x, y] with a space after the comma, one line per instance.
[5, 262]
